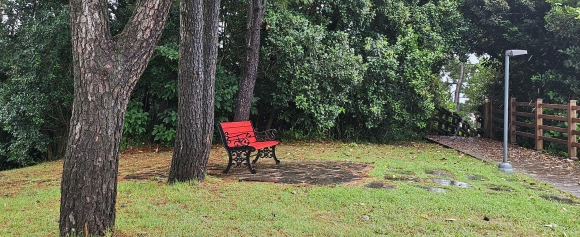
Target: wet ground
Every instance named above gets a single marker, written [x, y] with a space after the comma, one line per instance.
[294, 172]
[559, 172]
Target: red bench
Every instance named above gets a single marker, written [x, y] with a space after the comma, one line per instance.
[240, 140]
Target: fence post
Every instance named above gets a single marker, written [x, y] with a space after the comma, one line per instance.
[538, 123]
[512, 119]
[490, 120]
[491, 124]
[571, 128]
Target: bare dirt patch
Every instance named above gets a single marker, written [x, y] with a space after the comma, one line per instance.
[288, 171]
[152, 163]
[298, 172]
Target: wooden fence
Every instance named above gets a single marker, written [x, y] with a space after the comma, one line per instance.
[530, 115]
[446, 123]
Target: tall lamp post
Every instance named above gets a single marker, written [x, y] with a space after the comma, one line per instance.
[505, 166]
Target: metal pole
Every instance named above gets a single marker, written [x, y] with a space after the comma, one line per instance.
[505, 166]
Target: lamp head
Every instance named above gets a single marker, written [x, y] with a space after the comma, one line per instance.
[515, 52]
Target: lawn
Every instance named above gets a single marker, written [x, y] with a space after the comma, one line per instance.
[413, 189]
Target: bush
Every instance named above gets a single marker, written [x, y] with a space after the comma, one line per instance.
[165, 132]
[136, 123]
[36, 86]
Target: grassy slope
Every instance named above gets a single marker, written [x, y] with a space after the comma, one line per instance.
[30, 200]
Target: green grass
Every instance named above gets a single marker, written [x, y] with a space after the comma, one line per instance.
[225, 208]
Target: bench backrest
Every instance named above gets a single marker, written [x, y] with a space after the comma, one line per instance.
[237, 133]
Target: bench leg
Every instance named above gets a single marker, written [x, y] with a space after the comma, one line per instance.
[258, 155]
[274, 155]
[249, 164]
[239, 157]
[230, 162]
[268, 152]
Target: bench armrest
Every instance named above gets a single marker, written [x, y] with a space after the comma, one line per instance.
[267, 135]
[238, 140]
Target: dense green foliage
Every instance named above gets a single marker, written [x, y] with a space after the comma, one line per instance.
[329, 69]
[333, 69]
[546, 30]
[564, 21]
[357, 69]
[35, 82]
[313, 71]
[481, 82]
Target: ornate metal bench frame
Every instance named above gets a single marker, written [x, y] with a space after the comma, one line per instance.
[240, 140]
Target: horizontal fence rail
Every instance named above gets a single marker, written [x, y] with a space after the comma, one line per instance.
[446, 123]
[534, 119]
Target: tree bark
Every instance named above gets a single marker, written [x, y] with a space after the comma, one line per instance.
[256, 9]
[198, 54]
[106, 69]
[458, 86]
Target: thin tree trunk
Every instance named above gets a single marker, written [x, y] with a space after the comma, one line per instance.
[256, 10]
[197, 65]
[458, 86]
[106, 70]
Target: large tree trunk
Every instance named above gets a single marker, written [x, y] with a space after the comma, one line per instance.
[256, 9]
[197, 64]
[106, 70]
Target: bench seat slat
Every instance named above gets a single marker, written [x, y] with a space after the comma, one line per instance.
[262, 145]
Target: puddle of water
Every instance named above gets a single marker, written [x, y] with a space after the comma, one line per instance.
[500, 188]
[560, 199]
[400, 178]
[475, 177]
[405, 172]
[380, 185]
[538, 188]
[440, 173]
[460, 184]
[445, 182]
[435, 190]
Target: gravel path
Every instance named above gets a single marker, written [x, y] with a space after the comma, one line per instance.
[561, 173]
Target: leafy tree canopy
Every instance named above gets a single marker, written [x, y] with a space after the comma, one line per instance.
[35, 81]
